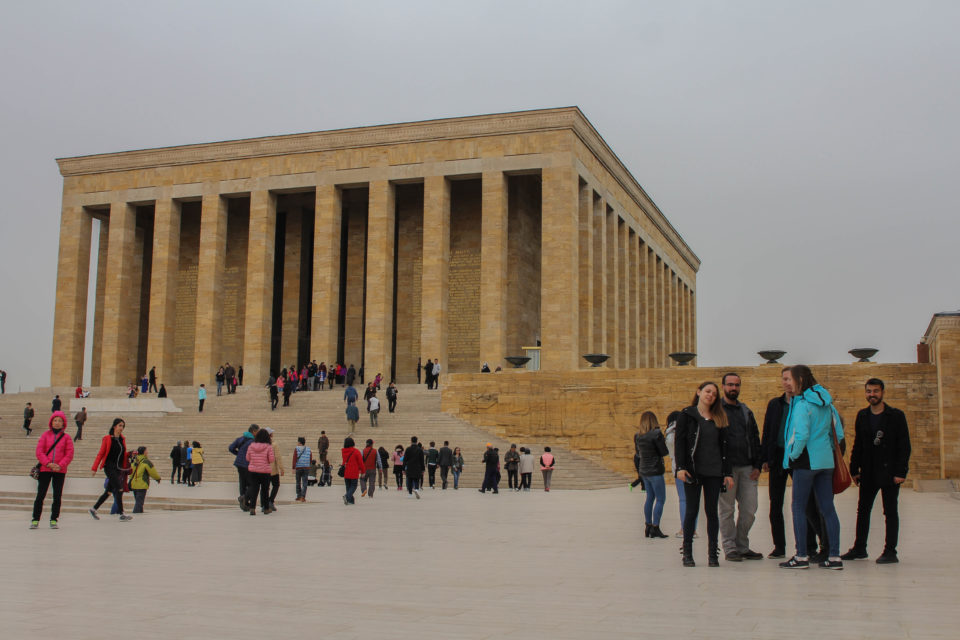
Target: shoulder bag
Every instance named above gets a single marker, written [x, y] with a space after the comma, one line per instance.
[841, 472]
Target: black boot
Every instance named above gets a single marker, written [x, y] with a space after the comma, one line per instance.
[646, 533]
[655, 532]
[714, 560]
[688, 554]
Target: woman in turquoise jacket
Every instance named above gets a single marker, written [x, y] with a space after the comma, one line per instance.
[809, 453]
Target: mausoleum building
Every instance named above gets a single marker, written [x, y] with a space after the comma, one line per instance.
[463, 239]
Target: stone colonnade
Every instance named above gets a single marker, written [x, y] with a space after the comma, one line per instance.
[208, 256]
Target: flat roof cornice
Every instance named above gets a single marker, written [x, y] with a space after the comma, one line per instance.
[570, 118]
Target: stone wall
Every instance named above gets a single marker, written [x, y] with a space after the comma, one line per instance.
[595, 412]
[409, 273]
[523, 263]
[235, 280]
[463, 318]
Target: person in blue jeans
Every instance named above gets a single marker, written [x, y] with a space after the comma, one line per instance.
[681, 492]
[809, 440]
[301, 467]
[651, 448]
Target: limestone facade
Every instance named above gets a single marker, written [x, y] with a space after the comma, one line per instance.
[462, 239]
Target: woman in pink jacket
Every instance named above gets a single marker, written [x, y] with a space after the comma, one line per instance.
[260, 455]
[54, 453]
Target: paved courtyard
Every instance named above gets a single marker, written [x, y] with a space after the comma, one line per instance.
[455, 565]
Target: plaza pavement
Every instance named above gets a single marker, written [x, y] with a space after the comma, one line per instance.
[564, 564]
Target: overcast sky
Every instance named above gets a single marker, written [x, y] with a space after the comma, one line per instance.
[806, 151]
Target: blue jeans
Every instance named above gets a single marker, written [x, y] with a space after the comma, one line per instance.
[820, 482]
[351, 488]
[302, 473]
[656, 488]
[456, 477]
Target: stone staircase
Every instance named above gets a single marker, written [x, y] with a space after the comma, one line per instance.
[225, 417]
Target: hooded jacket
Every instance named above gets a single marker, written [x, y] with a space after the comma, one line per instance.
[143, 470]
[239, 448]
[807, 433]
[62, 454]
[687, 438]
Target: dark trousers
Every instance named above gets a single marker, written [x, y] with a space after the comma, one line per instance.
[197, 474]
[79, 432]
[432, 471]
[398, 472]
[889, 495]
[444, 470]
[202, 400]
[139, 495]
[274, 488]
[187, 474]
[152, 387]
[26, 425]
[46, 477]
[711, 498]
[413, 483]
[525, 480]
[114, 487]
[489, 480]
[259, 483]
[391, 404]
[513, 481]
[244, 477]
[175, 473]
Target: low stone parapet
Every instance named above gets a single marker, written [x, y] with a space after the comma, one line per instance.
[125, 406]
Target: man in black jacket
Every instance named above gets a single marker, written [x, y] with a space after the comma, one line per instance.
[491, 461]
[743, 451]
[446, 461]
[879, 463]
[413, 466]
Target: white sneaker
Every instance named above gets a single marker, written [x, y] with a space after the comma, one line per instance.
[416, 492]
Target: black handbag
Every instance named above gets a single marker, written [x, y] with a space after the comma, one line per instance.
[35, 471]
[341, 471]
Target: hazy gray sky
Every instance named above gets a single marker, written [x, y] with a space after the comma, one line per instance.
[806, 151]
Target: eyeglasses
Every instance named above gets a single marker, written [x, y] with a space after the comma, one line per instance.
[876, 439]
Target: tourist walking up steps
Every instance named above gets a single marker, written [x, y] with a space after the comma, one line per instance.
[301, 467]
[547, 462]
[28, 414]
[54, 453]
[652, 447]
[701, 445]
[352, 469]
[80, 418]
[413, 467]
[112, 459]
[397, 458]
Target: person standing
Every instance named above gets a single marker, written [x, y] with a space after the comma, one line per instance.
[457, 467]
[3, 379]
[196, 457]
[323, 446]
[274, 392]
[433, 459]
[230, 377]
[221, 377]
[772, 447]
[301, 467]
[879, 463]
[428, 373]
[392, 397]
[445, 461]
[352, 469]
[652, 447]
[491, 467]
[201, 396]
[701, 447]
[373, 407]
[276, 471]
[80, 418]
[397, 458]
[419, 368]
[239, 449]
[547, 462]
[152, 376]
[371, 462]
[28, 418]
[143, 470]
[351, 375]
[240, 376]
[383, 468]
[812, 425]
[743, 453]
[260, 456]
[112, 458]
[511, 460]
[175, 460]
[436, 373]
[54, 453]
[55, 405]
[413, 466]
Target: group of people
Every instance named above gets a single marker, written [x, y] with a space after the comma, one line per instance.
[123, 470]
[229, 376]
[718, 453]
[430, 371]
[187, 463]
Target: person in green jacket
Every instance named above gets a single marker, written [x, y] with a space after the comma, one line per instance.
[143, 470]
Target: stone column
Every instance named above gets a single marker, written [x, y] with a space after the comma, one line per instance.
[559, 309]
[613, 330]
[586, 272]
[381, 227]
[290, 307]
[667, 314]
[693, 322]
[100, 296]
[599, 275]
[493, 269]
[643, 353]
[623, 285]
[70, 312]
[436, 264]
[326, 274]
[661, 359]
[119, 324]
[259, 313]
[633, 269]
[207, 355]
[162, 320]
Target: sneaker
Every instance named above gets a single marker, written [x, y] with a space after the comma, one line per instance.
[733, 556]
[776, 553]
[362, 494]
[416, 492]
[252, 512]
[93, 513]
[54, 525]
[795, 563]
[818, 557]
[831, 564]
[854, 554]
[678, 534]
[749, 554]
[345, 499]
[125, 518]
[34, 524]
[888, 558]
